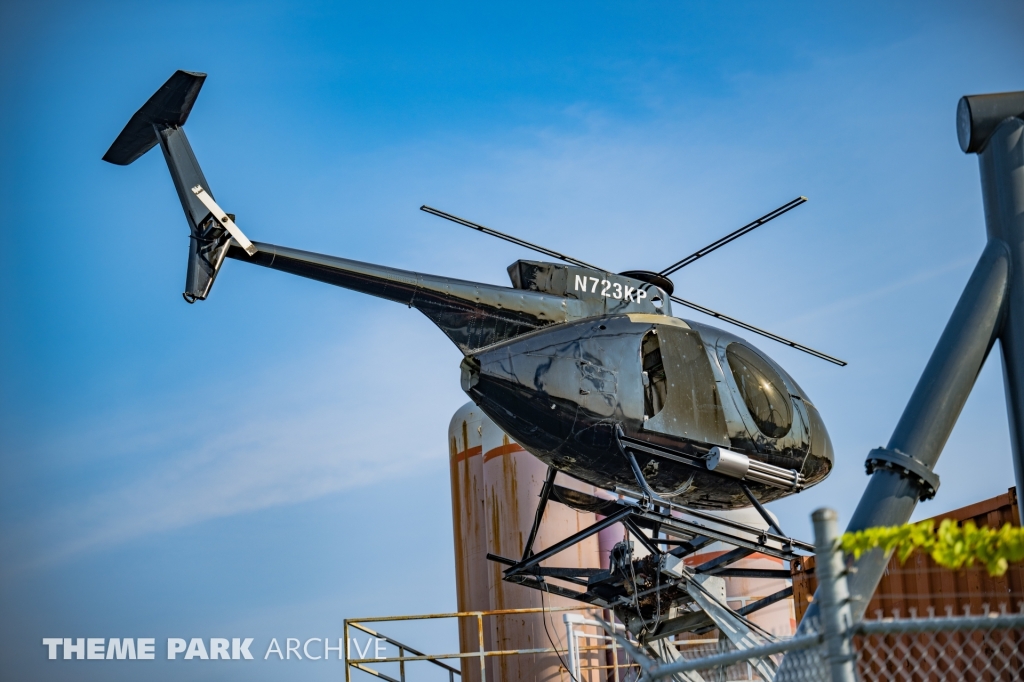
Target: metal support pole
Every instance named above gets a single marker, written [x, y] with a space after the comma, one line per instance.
[572, 645]
[760, 508]
[892, 494]
[991, 306]
[833, 596]
[480, 637]
[1001, 162]
[545, 494]
[615, 659]
[348, 669]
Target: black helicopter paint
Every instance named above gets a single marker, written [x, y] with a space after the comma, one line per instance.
[587, 369]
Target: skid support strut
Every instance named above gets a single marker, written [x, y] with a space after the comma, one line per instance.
[545, 495]
[656, 595]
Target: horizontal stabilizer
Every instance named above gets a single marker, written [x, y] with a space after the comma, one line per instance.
[169, 106]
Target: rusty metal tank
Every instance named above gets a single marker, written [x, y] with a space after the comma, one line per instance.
[469, 530]
[495, 488]
[512, 480]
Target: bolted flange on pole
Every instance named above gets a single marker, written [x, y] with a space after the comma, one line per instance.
[833, 595]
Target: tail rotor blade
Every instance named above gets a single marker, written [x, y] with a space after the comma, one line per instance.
[224, 219]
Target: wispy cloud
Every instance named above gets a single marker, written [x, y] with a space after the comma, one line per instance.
[879, 293]
[304, 429]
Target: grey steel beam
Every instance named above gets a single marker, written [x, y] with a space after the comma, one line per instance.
[1001, 162]
[892, 493]
[990, 307]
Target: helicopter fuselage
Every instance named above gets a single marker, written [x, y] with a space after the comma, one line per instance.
[680, 387]
[561, 392]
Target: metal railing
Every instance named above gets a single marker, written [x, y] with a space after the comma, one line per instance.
[576, 651]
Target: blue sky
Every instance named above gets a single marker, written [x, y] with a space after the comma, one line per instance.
[273, 460]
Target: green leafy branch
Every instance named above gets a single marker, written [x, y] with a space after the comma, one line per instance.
[952, 546]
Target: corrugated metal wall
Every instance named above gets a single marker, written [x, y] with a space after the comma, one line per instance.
[921, 587]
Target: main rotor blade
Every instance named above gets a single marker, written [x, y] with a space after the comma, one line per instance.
[749, 227]
[762, 332]
[508, 238]
[688, 304]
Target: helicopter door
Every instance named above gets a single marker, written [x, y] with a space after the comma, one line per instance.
[680, 395]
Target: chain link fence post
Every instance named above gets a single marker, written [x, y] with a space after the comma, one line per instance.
[833, 595]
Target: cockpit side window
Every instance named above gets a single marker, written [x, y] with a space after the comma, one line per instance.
[763, 390]
[653, 374]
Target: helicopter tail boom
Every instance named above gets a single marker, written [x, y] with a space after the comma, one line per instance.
[471, 314]
[474, 315]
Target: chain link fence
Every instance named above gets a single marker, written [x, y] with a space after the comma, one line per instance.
[721, 661]
[834, 648]
[981, 649]
[922, 650]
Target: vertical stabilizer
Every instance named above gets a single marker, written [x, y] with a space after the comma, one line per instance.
[160, 121]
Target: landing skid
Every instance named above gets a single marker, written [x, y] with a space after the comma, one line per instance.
[658, 595]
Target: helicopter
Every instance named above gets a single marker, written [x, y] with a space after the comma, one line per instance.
[587, 369]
